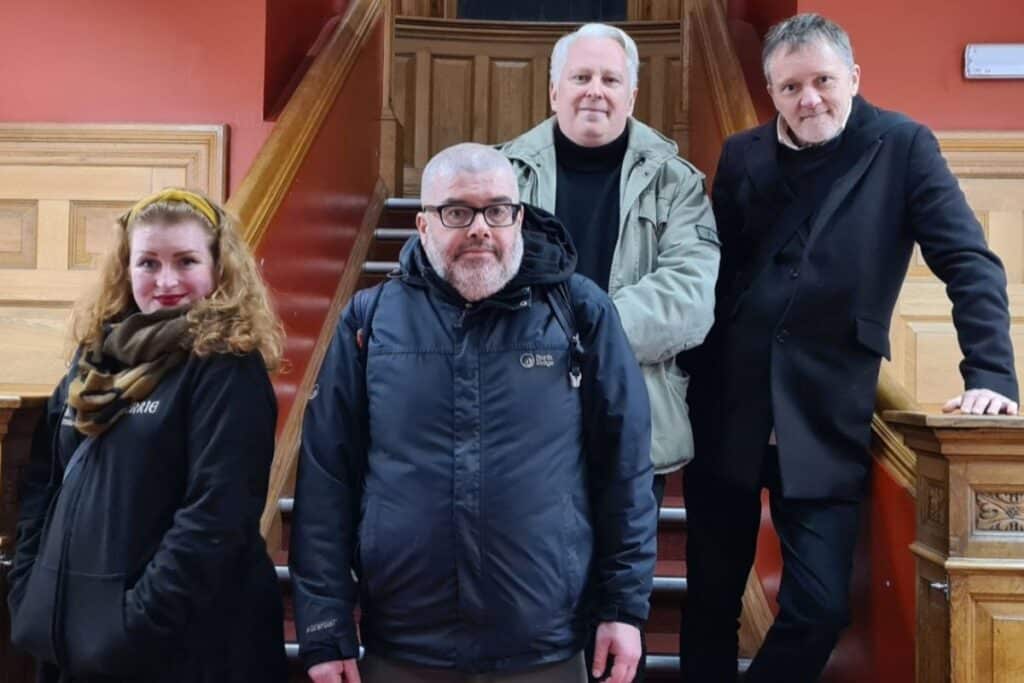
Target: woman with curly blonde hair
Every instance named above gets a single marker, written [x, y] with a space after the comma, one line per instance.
[139, 555]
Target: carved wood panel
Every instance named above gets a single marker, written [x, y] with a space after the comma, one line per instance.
[18, 233]
[990, 167]
[456, 81]
[61, 186]
[999, 511]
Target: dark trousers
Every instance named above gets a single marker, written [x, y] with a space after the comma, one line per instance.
[817, 539]
[641, 667]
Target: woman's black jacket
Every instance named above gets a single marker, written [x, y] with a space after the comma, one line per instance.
[145, 563]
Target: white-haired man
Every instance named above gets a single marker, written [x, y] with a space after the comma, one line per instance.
[476, 450]
[638, 214]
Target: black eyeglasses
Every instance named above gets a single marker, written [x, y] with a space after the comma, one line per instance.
[462, 216]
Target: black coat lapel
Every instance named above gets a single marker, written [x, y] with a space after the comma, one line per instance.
[863, 141]
[763, 167]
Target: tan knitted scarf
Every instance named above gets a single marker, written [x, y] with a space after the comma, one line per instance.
[125, 366]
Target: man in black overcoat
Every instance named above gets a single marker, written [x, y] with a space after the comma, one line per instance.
[818, 212]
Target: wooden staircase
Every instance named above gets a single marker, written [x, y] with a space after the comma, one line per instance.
[395, 226]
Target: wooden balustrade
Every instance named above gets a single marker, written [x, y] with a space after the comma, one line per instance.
[970, 545]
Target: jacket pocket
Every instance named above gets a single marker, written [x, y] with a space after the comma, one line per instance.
[32, 618]
[671, 433]
[874, 336]
[95, 637]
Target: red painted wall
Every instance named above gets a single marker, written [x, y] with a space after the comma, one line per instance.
[762, 13]
[119, 61]
[292, 27]
[911, 54]
[879, 645]
[156, 61]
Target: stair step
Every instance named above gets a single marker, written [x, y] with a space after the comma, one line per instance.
[394, 234]
[669, 664]
[656, 664]
[667, 515]
[402, 204]
[664, 585]
[379, 267]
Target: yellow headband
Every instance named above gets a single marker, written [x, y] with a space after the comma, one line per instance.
[173, 194]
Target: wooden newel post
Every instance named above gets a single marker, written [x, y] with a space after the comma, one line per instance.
[969, 546]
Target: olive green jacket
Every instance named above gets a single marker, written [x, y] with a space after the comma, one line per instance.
[663, 271]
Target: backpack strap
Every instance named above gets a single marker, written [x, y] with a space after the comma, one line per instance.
[560, 299]
[363, 333]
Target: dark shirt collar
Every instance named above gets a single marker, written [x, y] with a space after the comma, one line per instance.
[590, 159]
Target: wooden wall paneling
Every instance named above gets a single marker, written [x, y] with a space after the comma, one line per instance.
[451, 107]
[61, 186]
[541, 102]
[403, 79]
[421, 127]
[439, 9]
[480, 92]
[642, 106]
[653, 10]
[657, 116]
[90, 232]
[677, 112]
[391, 132]
[18, 222]
[511, 98]
[457, 90]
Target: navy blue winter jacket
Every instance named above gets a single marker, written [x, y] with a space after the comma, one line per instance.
[491, 509]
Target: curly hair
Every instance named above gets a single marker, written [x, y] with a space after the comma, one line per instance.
[237, 317]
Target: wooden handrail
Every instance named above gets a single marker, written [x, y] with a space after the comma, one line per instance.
[709, 32]
[270, 177]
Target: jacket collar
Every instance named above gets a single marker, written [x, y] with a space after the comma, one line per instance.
[646, 151]
[762, 157]
[536, 146]
[549, 257]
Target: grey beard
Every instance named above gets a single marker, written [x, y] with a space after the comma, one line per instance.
[475, 283]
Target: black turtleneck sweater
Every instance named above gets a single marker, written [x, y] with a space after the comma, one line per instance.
[587, 201]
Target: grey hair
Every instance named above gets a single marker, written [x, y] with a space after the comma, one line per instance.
[560, 53]
[804, 29]
[465, 157]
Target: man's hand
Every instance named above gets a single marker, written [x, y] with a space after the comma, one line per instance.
[338, 671]
[981, 402]
[621, 640]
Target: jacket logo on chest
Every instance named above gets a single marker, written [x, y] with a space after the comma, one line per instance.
[144, 408]
[535, 360]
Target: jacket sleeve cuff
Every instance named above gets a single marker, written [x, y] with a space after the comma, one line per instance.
[622, 615]
[327, 652]
[993, 381]
[343, 645]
